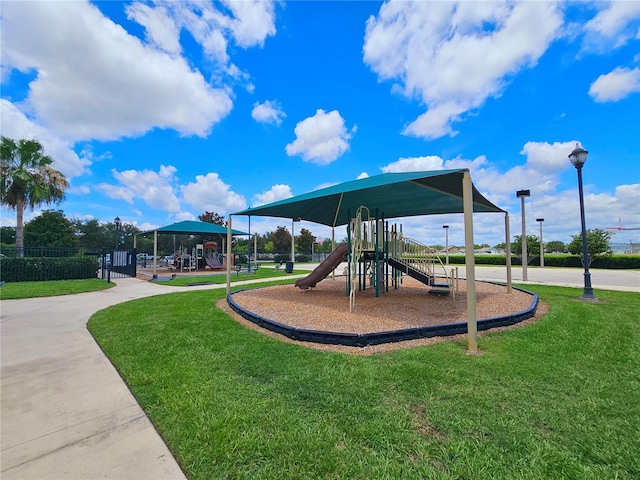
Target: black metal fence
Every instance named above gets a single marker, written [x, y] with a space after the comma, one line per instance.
[57, 263]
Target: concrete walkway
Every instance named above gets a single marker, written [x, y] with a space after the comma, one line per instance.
[67, 414]
[65, 411]
[623, 280]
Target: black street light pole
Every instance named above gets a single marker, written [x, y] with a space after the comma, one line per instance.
[117, 222]
[578, 158]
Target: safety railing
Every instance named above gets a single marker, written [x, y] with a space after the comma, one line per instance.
[417, 256]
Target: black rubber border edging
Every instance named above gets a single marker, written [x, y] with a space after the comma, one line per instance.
[378, 338]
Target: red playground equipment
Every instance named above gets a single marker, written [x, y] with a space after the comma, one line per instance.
[213, 258]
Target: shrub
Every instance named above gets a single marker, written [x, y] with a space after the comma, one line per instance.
[32, 269]
[553, 260]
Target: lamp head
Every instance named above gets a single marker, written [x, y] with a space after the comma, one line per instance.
[117, 220]
[579, 156]
[539, 219]
[523, 193]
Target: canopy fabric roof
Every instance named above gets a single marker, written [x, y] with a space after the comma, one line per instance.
[395, 195]
[191, 227]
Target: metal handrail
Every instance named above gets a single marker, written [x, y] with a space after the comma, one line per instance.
[416, 255]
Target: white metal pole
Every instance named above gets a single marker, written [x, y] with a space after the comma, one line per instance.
[292, 240]
[229, 237]
[467, 201]
[507, 243]
[446, 244]
[155, 250]
[524, 242]
[541, 244]
[255, 247]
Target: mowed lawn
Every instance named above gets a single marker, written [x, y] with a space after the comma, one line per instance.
[558, 399]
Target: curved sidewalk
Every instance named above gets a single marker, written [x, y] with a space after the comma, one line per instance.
[66, 413]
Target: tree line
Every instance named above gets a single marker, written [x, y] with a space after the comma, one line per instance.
[53, 229]
[27, 180]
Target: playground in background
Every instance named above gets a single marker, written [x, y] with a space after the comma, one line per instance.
[200, 256]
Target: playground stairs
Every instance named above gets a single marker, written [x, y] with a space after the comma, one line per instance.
[420, 262]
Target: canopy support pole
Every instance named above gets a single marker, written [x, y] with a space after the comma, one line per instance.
[467, 201]
[507, 252]
[155, 252]
[229, 255]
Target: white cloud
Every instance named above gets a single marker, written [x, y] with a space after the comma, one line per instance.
[161, 29]
[181, 216]
[16, 125]
[210, 194]
[362, 175]
[452, 56]
[146, 226]
[548, 158]
[268, 112]
[254, 21]
[613, 26]
[80, 91]
[275, 193]
[320, 139]
[415, 164]
[79, 190]
[214, 25]
[541, 172]
[615, 85]
[544, 163]
[116, 192]
[154, 188]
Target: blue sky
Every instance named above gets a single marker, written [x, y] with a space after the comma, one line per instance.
[159, 111]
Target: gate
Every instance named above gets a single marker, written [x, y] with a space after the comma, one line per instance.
[118, 264]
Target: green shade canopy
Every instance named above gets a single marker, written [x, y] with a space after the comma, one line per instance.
[191, 227]
[395, 195]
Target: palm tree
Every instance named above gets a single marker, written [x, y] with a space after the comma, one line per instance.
[27, 179]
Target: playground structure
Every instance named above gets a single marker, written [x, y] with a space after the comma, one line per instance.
[395, 195]
[377, 256]
[200, 256]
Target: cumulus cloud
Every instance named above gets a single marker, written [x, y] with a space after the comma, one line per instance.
[209, 193]
[253, 21]
[614, 25]
[268, 112]
[154, 188]
[16, 125]
[452, 56]
[415, 164]
[79, 190]
[162, 31]
[320, 139]
[275, 193]
[544, 162]
[182, 216]
[615, 85]
[79, 55]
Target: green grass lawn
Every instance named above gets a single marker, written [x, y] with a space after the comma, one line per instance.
[558, 399]
[14, 290]
[220, 278]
